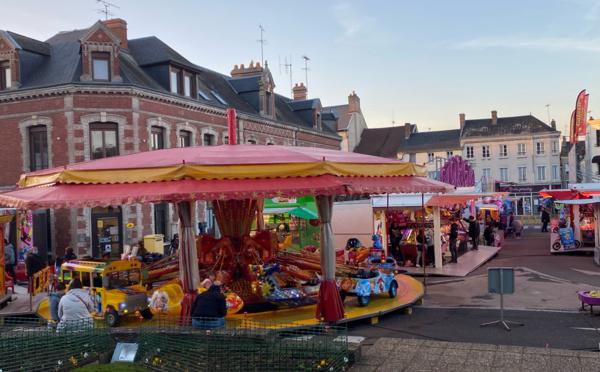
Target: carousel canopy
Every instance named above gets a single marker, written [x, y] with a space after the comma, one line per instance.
[216, 173]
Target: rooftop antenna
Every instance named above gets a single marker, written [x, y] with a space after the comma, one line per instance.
[548, 111]
[288, 70]
[306, 69]
[262, 42]
[107, 8]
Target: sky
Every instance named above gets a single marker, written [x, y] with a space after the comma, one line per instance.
[421, 62]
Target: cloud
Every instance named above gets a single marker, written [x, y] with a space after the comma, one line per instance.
[545, 44]
[350, 19]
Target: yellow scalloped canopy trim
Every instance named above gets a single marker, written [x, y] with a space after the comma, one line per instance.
[222, 172]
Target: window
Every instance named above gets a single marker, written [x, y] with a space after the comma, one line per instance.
[208, 139]
[268, 107]
[555, 172]
[412, 158]
[185, 138]
[103, 140]
[485, 151]
[160, 218]
[38, 148]
[504, 174]
[541, 173]
[157, 138]
[522, 174]
[187, 85]
[503, 150]
[174, 80]
[430, 156]
[251, 141]
[539, 148]
[5, 75]
[101, 66]
[487, 174]
[597, 137]
[218, 97]
[449, 154]
[555, 147]
[521, 149]
[470, 152]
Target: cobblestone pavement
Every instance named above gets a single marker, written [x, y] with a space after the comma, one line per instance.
[412, 355]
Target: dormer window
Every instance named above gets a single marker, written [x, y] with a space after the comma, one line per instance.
[5, 75]
[187, 85]
[101, 66]
[174, 80]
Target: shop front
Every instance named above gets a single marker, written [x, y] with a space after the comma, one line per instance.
[525, 199]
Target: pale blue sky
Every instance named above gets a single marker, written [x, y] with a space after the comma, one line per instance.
[423, 62]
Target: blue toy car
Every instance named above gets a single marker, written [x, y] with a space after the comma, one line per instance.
[379, 278]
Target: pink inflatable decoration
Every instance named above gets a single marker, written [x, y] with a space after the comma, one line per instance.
[458, 172]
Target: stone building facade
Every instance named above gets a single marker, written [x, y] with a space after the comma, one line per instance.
[92, 93]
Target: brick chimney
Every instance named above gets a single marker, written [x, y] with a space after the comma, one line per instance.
[461, 119]
[494, 117]
[353, 102]
[242, 71]
[553, 123]
[407, 130]
[118, 27]
[300, 92]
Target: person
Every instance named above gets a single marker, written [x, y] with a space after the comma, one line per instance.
[33, 262]
[9, 258]
[545, 218]
[68, 256]
[75, 307]
[517, 228]
[54, 299]
[420, 241]
[488, 234]
[429, 239]
[453, 238]
[208, 282]
[174, 246]
[396, 239]
[474, 231]
[210, 308]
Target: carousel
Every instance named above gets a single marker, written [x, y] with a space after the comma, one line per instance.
[236, 179]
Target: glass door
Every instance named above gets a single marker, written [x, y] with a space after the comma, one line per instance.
[107, 232]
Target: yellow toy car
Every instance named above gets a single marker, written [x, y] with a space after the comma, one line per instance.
[115, 287]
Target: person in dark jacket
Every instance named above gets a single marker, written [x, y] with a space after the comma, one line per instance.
[453, 238]
[210, 308]
[33, 262]
[545, 220]
[488, 234]
[54, 299]
[474, 231]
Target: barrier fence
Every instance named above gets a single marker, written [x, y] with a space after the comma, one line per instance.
[164, 345]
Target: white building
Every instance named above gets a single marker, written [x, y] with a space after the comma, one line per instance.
[518, 154]
[590, 170]
[350, 121]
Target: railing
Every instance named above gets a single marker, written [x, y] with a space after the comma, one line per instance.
[29, 344]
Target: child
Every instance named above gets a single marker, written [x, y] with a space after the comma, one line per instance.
[206, 283]
[54, 299]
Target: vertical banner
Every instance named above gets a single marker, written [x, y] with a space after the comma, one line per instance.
[25, 227]
[573, 129]
[581, 115]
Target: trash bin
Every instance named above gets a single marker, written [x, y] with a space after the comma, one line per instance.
[154, 243]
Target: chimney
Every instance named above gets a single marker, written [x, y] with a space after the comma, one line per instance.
[118, 27]
[553, 124]
[494, 117]
[461, 119]
[242, 71]
[300, 92]
[353, 102]
[407, 130]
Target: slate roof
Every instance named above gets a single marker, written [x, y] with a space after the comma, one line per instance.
[29, 44]
[432, 141]
[384, 142]
[343, 113]
[513, 125]
[57, 61]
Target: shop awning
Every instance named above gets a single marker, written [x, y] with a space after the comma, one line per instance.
[304, 213]
[563, 194]
[579, 201]
[449, 200]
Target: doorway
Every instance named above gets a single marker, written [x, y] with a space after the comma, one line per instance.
[107, 232]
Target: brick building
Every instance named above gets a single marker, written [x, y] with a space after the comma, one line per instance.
[92, 93]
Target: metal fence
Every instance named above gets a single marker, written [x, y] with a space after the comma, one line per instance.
[165, 345]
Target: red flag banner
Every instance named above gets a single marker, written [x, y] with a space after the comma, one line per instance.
[582, 108]
[580, 115]
[573, 129]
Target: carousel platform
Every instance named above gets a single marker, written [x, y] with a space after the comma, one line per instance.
[410, 291]
[467, 263]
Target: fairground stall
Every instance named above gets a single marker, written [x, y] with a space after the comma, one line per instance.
[293, 220]
[397, 219]
[234, 178]
[576, 225]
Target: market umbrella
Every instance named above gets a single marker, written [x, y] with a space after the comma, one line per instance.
[222, 173]
[302, 212]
